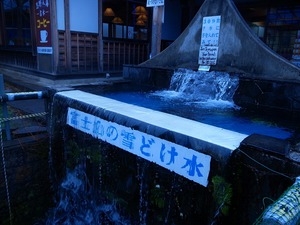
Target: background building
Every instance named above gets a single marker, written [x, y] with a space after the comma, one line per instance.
[66, 38]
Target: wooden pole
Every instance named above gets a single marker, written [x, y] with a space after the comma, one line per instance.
[100, 36]
[54, 37]
[156, 30]
[68, 36]
[4, 109]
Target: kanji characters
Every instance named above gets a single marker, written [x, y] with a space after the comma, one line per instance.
[128, 138]
[187, 162]
[74, 118]
[193, 166]
[86, 123]
[98, 128]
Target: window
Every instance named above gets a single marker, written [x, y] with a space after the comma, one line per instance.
[16, 23]
[125, 19]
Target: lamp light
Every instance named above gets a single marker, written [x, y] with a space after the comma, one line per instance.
[140, 10]
[109, 12]
[140, 23]
[143, 17]
[117, 20]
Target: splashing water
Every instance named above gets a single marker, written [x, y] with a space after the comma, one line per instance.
[206, 89]
[78, 204]
[206, 97]
[194, 86]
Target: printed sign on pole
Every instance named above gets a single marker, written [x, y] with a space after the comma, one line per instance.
[43, 26]
[153, 3]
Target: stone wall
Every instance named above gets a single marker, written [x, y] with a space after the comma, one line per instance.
[27, 170]
[277, 99]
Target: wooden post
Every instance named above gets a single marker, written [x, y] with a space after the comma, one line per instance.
[54, 37]
[100, 36]
[4, 109]
[156, 30]
[68, 41]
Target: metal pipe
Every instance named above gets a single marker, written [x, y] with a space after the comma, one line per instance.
[23, 96]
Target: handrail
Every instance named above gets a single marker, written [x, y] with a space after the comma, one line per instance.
[5, 97]
[23, 96]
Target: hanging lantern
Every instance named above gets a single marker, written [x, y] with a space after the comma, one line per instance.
[117, 20]
[140, 10]
[109, 12]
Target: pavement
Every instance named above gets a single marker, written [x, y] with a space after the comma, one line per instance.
[29, 83]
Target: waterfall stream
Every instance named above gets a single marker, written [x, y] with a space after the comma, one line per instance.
[77, 203]
[201, 89]
[194, 85]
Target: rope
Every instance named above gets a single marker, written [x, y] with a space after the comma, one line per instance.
[22, 117]
[266, 167]
[5, 176]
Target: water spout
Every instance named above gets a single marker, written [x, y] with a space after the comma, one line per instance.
[206, 89]
[199, 85]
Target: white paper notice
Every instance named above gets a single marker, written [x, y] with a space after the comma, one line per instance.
[208, 51]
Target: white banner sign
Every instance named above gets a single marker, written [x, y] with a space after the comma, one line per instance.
[186, 162]
[152, 3]
[208, 51]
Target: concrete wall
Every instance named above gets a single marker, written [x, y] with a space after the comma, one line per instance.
[239, 49]
[148, 76]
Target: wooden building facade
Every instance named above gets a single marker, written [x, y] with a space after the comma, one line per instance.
[59, 37]
[67, 37]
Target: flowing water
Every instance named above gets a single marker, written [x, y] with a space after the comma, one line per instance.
[78, 205]
[205, 97]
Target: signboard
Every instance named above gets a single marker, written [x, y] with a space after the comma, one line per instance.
[186, 162]
[43, 26]
[153, 3]
[208, 52]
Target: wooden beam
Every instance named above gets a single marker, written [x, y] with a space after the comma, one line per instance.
[100, 37]
[68, 36]
[156, 30]
[54, 38]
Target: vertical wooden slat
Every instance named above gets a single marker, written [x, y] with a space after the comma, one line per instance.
[133, 59]
[100, 37]
[85, 60]
[114, 56]
[129, 53]
[119, 54]
[124, 53]
[2, 22]
[156, 30]
[78, 51]
[68, 36]
[54, 37]
[108, 56]
[138, 54]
